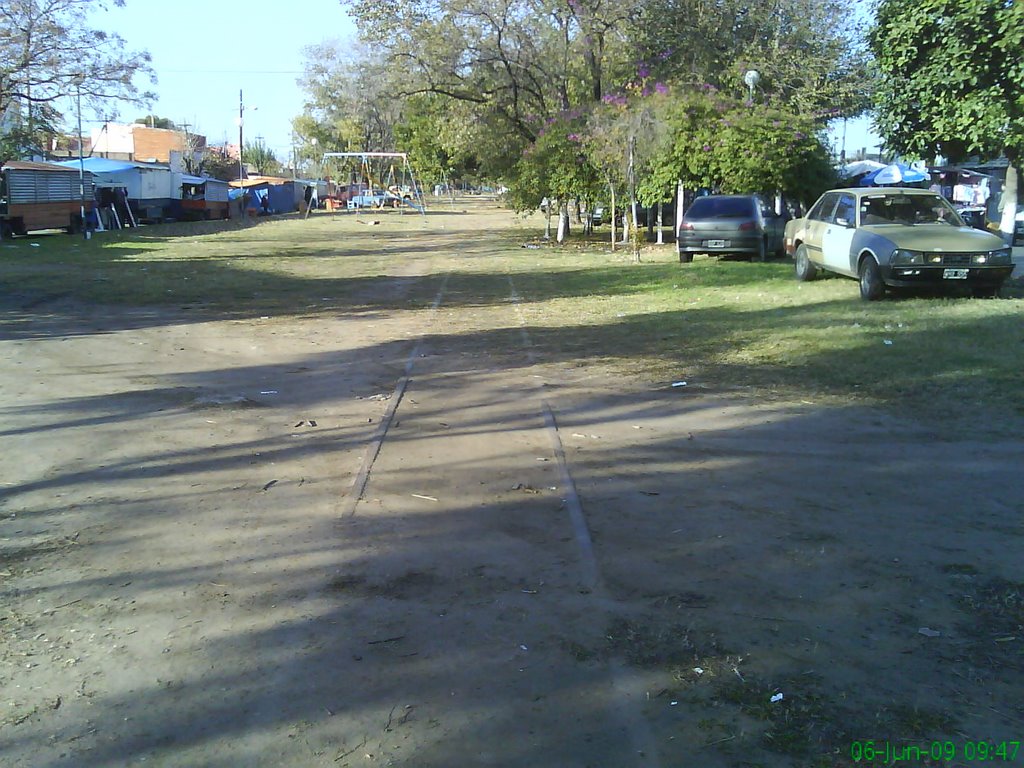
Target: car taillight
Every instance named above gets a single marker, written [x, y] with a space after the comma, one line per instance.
[686, 226]
[747, 226]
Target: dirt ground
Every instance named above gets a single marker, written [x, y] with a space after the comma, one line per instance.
[381, 537]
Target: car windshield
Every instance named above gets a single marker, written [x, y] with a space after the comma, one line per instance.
[908, 209]
[721, 208]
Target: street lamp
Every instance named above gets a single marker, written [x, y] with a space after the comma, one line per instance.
[751, 77]
[81, 160]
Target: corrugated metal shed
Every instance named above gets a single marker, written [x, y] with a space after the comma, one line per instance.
[30, 182]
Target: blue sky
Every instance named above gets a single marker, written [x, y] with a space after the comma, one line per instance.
[859, 135]
[204, 51]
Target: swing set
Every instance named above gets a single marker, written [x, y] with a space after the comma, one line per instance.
[380, 183]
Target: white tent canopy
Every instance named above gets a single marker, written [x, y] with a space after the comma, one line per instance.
[859, 168]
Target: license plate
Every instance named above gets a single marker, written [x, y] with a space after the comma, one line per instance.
[954, 274]
[717, 243]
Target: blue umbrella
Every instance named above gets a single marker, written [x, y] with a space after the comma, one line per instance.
[895, 173]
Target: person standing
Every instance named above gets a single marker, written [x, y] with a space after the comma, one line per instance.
[310, 196]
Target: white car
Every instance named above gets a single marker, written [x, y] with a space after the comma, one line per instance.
[896, 238]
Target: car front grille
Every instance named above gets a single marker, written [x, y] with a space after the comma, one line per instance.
[951, 259]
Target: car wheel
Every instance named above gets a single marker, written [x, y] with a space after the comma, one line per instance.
[871, 286]
[805, 269]
[986, 292]
[685, 258]
[762, 250]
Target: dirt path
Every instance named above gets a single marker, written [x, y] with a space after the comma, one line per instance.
[188, 578]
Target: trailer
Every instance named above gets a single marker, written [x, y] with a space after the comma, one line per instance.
[153, 189]
[36, 196]
[203, 198]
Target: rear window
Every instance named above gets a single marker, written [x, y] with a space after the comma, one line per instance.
[721, 208]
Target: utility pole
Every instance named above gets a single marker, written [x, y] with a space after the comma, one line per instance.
[242, 110]
[81, 159]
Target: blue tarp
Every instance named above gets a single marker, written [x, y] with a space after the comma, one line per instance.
[102, 165]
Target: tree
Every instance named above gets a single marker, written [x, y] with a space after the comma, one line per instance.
[261, 158]
[25, 139]
[514, 62]
[351, 105]
[219, 165]
[555, 167]
[47, 52]
[806, 51]
[154, 121]
[720, 143]
[952, 82]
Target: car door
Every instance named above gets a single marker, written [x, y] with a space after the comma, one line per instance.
[838, 235]
[774, 227]
[818, 219]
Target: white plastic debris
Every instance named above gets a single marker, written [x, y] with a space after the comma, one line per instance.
[698, 670]
[776, 697]
[678, 383]
[928, 632]
[888, 342]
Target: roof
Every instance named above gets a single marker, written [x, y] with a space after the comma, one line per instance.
[255, 181]
[27, 165]
[248, 183]
[105, 165]
[187, 179]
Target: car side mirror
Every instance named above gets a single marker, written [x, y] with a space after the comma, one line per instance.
[842, 222]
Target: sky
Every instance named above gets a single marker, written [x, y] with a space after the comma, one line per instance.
[204, 51]
[859, 135]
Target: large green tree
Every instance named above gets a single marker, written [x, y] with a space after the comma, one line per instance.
[952, 81]
[350, 104]
[808, 52]
[261, 158]
[720, 143]
[48, 52]
[513, 61]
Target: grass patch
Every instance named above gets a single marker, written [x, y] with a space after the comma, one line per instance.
[995, 623]
[727, 326]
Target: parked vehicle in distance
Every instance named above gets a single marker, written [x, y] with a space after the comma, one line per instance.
[896, 238]
[36, 196]
[730, 225]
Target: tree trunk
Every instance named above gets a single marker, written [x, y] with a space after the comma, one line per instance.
[611, 187]
[680, 205]
[563, 221]
[547, 221]
[1011, 194]
[661, 229]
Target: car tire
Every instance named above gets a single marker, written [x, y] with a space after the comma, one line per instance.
[805, 269]
[685, 258]
[762, 250]
[871, 286]
[987, 292]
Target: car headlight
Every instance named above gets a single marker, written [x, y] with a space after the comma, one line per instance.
[901, 257]
[999, 256]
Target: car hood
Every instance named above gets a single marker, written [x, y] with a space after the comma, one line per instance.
[936, 237]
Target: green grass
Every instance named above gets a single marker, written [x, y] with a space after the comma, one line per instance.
[722, 326]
